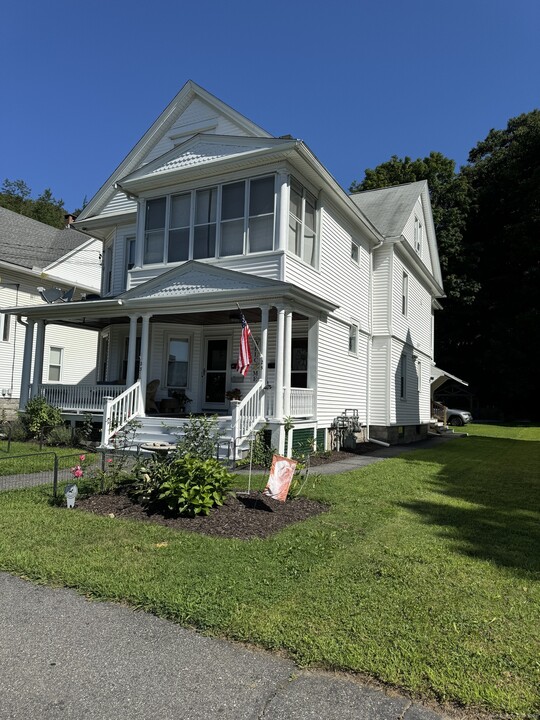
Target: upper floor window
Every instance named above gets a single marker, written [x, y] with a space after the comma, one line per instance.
[405, 294]
[355, 252]
[230, 219]
[418, 235]
[302, 223]
[353, 339]
[5, 326]
[129, 257]
[107, 269]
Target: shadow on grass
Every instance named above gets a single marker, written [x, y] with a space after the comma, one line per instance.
[489, 500]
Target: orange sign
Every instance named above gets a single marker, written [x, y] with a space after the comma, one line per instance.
[281, 475]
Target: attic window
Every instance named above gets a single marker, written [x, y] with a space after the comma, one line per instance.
[418, 235]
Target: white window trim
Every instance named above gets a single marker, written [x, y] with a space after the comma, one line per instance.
[418, 235]
[180, 335]
[405, 294]
[60, 366]
[403, 377]
[354, 332]
[354, 244]
[305, 190]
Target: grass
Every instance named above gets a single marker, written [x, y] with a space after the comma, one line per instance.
[424, 574]
[35, 459]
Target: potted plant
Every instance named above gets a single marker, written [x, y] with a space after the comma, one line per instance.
[182, 399]
[234, 394]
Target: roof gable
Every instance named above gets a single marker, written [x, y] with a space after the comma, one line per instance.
[390, 208]
[196, 278]
[204, 150]
[202, 112]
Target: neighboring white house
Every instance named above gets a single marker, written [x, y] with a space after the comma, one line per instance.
[34, 255]
[208, 214]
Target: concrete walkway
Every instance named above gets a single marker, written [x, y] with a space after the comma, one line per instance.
[62, 656]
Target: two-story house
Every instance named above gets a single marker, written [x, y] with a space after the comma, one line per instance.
[209, 216]
[34, 255]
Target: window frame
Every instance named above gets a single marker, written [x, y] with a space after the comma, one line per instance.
[59, 365]
[170, 337]
[403, 377]
[418, 234]
[5, 327]
[354, 333]
[215, 222]
[405, 294]
[305, 195]
[355, 250]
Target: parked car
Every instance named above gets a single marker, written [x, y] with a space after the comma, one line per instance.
[458, 417]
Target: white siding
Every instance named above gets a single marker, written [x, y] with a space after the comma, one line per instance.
[379, 382]
[83, 266]
[408, 234]
[120, 204]
[415, 327]
[79, 354]
[382, 273]
[414, 408]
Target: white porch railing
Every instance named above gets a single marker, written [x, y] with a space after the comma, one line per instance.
[247, 413]
[78, 398]
[302, 403]
[120, 410]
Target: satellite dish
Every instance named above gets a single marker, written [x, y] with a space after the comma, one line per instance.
[51, 295]
[68, 295]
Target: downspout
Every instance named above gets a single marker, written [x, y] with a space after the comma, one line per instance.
[370, 343]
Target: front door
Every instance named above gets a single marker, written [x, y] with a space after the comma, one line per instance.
[217, 361]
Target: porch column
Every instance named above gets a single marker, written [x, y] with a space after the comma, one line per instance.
[143, 376]
[27, 363]
[38, 358]
[278, 400]
[130, 371]
[287, 363]
[264, 352]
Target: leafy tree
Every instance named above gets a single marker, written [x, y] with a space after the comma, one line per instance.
[16, 195]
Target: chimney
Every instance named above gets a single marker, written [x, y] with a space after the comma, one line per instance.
[70, 219]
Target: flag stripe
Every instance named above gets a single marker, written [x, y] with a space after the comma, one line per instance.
[244, 353]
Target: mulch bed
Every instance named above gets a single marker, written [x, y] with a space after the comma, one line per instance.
[243, 516]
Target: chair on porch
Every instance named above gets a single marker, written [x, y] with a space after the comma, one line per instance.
[151, 390]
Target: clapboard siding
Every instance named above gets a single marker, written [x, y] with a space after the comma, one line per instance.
[197, 117]
[414, 408]
[82, 266]
[379, 382]
[341, 380]
[78, 357]
[415, 326]
[381, 283]
[120, 204]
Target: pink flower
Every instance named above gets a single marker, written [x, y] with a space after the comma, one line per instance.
[109, 460]
[77, 471]
[82, 458]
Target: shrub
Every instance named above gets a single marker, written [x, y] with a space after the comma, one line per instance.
[185, 486]
[39, 416]
[60, 436]
[200, 437]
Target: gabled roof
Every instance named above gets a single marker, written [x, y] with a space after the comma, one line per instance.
[158, 130]
[29, 244]
[389, 208]
[196, 278]
[203, 149]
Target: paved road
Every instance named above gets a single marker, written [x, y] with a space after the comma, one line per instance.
[62, 656]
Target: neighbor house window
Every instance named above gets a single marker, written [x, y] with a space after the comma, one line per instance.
[405, 294]
[302, 223]
[403, 377]
[231, 219]
[5, 326]
[55, 363]
[178, 363]
[418, 235]
[353, 339]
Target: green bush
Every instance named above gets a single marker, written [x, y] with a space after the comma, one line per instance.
[39, 416]
[60, 436]
[200, 437]
[185, 486]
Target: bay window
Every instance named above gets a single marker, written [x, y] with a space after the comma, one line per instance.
[230, 219]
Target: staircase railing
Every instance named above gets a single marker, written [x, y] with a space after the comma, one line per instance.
[119, 411]
[247, 413]
[438, 411]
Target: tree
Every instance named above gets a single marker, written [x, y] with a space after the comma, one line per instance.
[504, 174]
[16, 195]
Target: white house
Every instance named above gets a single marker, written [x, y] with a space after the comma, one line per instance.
[209, 214]
[34, 255]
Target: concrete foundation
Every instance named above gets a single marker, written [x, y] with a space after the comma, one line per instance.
[399, 434]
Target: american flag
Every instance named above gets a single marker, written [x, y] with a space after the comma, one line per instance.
[244, 353]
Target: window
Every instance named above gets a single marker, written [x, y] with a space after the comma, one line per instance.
[129, 257]
[232, 219]
[405, 294]
[103, 358]
[178, 363]
[355, 252]
[302, 223]
[107, 269]
[55, 364]
[5, 327]
[299, 362]
[353, 339]
[403, 377]
[418, 235]
[419, 371]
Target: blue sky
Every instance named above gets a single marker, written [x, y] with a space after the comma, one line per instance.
[357, 81]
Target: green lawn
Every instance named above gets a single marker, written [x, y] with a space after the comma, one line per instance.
[26, 457]
[424, 574]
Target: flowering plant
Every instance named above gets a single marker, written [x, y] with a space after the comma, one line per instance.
[77, 471]
[234, 394]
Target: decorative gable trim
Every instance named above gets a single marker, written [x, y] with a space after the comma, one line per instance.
[157, 131]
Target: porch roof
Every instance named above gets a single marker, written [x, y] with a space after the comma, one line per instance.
[190, 288]
[440, 376]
